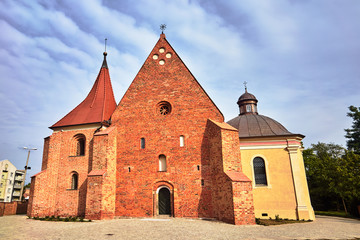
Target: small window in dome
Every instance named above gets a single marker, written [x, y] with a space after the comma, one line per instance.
[248, 108]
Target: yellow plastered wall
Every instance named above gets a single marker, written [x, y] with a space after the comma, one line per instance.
[279, 196]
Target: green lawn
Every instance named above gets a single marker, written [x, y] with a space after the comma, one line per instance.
[335, 214]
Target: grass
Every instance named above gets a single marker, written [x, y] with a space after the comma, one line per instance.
[335, 214]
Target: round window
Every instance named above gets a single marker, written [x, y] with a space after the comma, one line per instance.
[164, 108]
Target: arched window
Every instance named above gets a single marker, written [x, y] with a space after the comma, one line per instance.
[182, 141]
[162, 163]
[80, 141]
[142, 143]
[74, 181]
[259, 171]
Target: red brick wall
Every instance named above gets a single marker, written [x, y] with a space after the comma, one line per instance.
[12, 208]
[100, 202]
[94, 197]
[243, 203]
[231, 194]
[52, 194]
[137, 116]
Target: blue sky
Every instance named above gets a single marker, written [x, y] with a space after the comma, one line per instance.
[300, 58]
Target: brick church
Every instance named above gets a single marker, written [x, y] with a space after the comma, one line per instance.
[166, 150]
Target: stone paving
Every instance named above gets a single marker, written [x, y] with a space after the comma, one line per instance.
[20, 227]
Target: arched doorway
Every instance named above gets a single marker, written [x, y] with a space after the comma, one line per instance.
[164, 201]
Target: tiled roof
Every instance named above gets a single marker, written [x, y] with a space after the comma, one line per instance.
[97, 107]
[253, 125]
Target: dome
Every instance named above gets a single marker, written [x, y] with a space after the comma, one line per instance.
[247, 96]
[253, 125]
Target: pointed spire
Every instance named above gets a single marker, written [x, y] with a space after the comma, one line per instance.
[104, 64]
[97, 107]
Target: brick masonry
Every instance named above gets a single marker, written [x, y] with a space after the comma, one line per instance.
[119, 178]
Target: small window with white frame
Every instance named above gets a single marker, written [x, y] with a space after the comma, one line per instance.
[182, 141]
[162, 163]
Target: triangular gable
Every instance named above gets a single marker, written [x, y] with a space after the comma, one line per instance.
[164, 76]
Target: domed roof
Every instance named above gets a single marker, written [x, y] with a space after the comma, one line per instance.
[247, 96]
[253, 125]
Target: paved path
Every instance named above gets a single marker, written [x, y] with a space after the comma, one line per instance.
[19, 227]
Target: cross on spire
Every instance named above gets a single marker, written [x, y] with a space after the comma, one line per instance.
[162, 27]
[105, 43]
[245, 85]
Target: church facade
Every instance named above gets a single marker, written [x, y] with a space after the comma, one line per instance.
[166, 150]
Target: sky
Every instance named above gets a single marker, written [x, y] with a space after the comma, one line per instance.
[300, 58]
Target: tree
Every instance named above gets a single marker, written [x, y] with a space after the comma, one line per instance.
[353, 133]
[333, 173]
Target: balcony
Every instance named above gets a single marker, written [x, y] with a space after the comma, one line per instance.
[17, 185]
[18, 178]
[16, 194]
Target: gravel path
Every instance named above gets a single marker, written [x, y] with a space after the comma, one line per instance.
[19, 227]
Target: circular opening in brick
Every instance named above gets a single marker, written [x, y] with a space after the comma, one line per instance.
[162, 62]
[168, 55]
[161, 50]
[164, 108]
[155, 56]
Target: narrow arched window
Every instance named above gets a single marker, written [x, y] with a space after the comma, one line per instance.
[182, 141]
[74, 181]
[80, 149]
[79, 145]
[142, 143]
[259, 171]
[162, 163]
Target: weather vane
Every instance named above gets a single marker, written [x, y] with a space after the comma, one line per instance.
[105, 44]
[245, 85]
[162, 27]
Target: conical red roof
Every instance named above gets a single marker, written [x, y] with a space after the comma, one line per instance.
[97, 107]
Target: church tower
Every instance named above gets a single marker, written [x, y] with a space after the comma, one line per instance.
[60, 188]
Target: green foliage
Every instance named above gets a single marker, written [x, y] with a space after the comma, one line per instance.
[333, 213]
[333, 175]
[353, 133]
